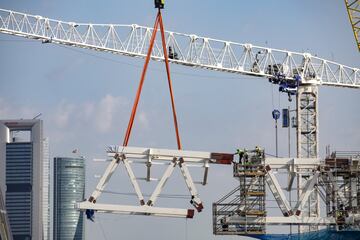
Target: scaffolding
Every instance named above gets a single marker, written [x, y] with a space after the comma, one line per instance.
[335, 180]
[246, 202]
[341, 181]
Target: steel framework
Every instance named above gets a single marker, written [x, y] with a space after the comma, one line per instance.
[335, 180]
[149, 157]
[191, 50]
[307, 144]
[246, 202]
[353, 9]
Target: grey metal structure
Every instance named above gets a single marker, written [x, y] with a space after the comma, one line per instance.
[21, 177]
[69, 188]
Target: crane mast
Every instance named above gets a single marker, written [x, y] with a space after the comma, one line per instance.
[302, 70]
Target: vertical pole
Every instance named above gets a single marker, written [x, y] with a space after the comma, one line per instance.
[289, 131]
[276, 138]
[291, 208]
[289, 126]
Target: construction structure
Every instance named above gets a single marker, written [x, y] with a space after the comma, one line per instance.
[341, 189]
[151, 157]
[335, 179]
[353, 9]
[242, 211]
[247, 201]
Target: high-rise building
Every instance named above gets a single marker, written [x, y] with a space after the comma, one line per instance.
[21, 176]
[69, 188]
[46, 189]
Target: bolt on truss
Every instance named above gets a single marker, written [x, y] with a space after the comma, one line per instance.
[185, 49]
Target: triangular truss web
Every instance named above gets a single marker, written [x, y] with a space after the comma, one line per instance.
[149, 157]
[174, 158]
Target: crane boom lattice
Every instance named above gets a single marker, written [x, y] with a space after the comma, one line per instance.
[353, 9]
[186, 49]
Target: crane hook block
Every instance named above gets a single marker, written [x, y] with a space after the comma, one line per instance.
[276, 114]
[159, 4]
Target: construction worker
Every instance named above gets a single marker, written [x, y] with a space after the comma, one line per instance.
[159, 4]
[173, 54]
[340, 217]
[224, 225]
[258, 151]
[242, 154]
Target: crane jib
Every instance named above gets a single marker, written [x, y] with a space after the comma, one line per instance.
[184, 49]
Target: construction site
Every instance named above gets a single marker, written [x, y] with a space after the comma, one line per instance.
[289, 189]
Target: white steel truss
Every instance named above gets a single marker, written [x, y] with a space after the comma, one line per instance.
[277, 192]
[187, 49]
[149, 157]
[307, 121]
[353, 9]
[319, 176]
[307, 145]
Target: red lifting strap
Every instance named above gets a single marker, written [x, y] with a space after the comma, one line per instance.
[138, 93]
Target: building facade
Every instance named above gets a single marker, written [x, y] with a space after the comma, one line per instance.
[46, 189]
[69, 188]
[21, 176]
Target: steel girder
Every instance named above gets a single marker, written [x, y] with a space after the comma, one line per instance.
[149, 157]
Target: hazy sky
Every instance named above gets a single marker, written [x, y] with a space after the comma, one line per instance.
[85, 97]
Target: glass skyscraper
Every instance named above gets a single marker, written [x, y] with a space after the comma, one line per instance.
[69, 188]
[21, 176]
[46, 189]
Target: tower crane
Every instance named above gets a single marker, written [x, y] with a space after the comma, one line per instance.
[296, 73]
[353, 9]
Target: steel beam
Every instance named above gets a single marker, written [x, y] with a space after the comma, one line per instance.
[277, 192]
[136, 210]
[284, 220]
